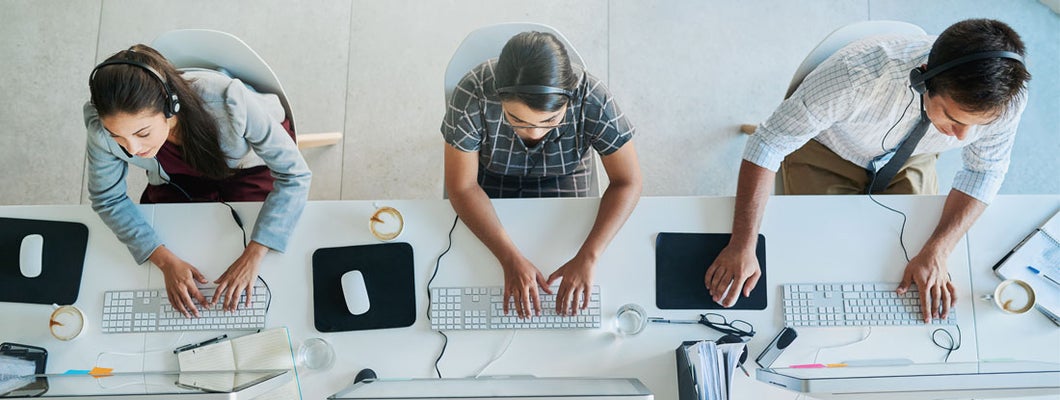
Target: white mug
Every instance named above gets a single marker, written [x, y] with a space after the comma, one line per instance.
[386, 224]
[67, 322]
[1012, 296]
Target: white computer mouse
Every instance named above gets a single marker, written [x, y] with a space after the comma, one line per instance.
[30, 255]
[355, 292]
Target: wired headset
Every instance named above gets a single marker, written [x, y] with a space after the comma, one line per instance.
[571, 96]
[535, 89]
[172, 102]
[919, 76]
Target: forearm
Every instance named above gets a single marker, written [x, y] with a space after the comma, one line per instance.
[958, 215]
[283, 207]
[477, 212]
[752, 193]
[616, 205]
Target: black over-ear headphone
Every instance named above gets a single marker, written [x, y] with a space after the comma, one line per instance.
[535, 89]
[172, 105]
[918, 76]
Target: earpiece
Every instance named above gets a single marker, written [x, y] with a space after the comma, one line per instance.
[919, 76]
[172, 106]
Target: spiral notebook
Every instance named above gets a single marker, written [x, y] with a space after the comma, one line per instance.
[1036, 260]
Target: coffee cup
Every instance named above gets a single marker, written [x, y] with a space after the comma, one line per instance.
[386, 224]
[1012, 296]
[67, 322]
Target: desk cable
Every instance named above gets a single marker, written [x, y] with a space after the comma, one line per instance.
[511, 338]
[905, 218]
[816, 354]
[235, 217]
[437, 265]
[951, 344]
[142, 354]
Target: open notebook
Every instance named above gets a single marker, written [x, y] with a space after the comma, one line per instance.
[1036, 260]
[265, 350]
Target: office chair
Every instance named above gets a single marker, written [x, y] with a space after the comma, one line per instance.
[831, 44]
[210, 49]
[485, 43]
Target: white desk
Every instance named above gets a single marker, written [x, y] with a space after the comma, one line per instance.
[808, 239]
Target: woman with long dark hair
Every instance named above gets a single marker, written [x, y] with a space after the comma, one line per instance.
[201, 136]
[525, 125]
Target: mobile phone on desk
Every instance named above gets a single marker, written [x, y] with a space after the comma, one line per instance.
[776, 347]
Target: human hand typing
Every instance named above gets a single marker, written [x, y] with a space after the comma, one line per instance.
[576, 287]
[927, 270]
[521, 280]
[240, 277]
[180, 278]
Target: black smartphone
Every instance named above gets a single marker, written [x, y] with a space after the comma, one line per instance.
[777, 346]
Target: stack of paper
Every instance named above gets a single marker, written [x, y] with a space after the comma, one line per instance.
[711, 367]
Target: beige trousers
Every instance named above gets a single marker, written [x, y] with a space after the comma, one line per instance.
[815, 169]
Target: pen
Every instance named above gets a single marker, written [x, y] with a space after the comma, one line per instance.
[200, 344]
[671, 321]
[1043, 275]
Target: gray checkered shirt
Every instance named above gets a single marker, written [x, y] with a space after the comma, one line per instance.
[851, 101]
[560, 165]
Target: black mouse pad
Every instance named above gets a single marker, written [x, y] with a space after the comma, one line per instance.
[388, 271]
[62, 261]
[681, 261]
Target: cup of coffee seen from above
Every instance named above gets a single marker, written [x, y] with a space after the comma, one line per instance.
[1012, 296]
[386, 224]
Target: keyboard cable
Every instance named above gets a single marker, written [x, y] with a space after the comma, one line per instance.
[235, 217]
[437, 265]
[951, 344]
[511, 338]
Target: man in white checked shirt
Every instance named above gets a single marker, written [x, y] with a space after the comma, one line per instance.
[859, 105]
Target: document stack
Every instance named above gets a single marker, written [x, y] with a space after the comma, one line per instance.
[705, 369]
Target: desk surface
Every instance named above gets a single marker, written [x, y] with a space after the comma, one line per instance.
[810, 239]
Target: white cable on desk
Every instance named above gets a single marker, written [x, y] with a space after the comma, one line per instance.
[142, 353]
[867, 334]
[498, 357]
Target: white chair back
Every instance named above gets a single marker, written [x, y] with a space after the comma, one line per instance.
[210, 49]
[844, 36]
[485, 43]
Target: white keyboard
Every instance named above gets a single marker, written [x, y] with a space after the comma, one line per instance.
[481, 308]
[149, 311]
[854, 304]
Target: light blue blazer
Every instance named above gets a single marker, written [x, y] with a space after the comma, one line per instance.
[251, 134]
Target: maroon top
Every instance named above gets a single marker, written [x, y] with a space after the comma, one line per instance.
[251, 184]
